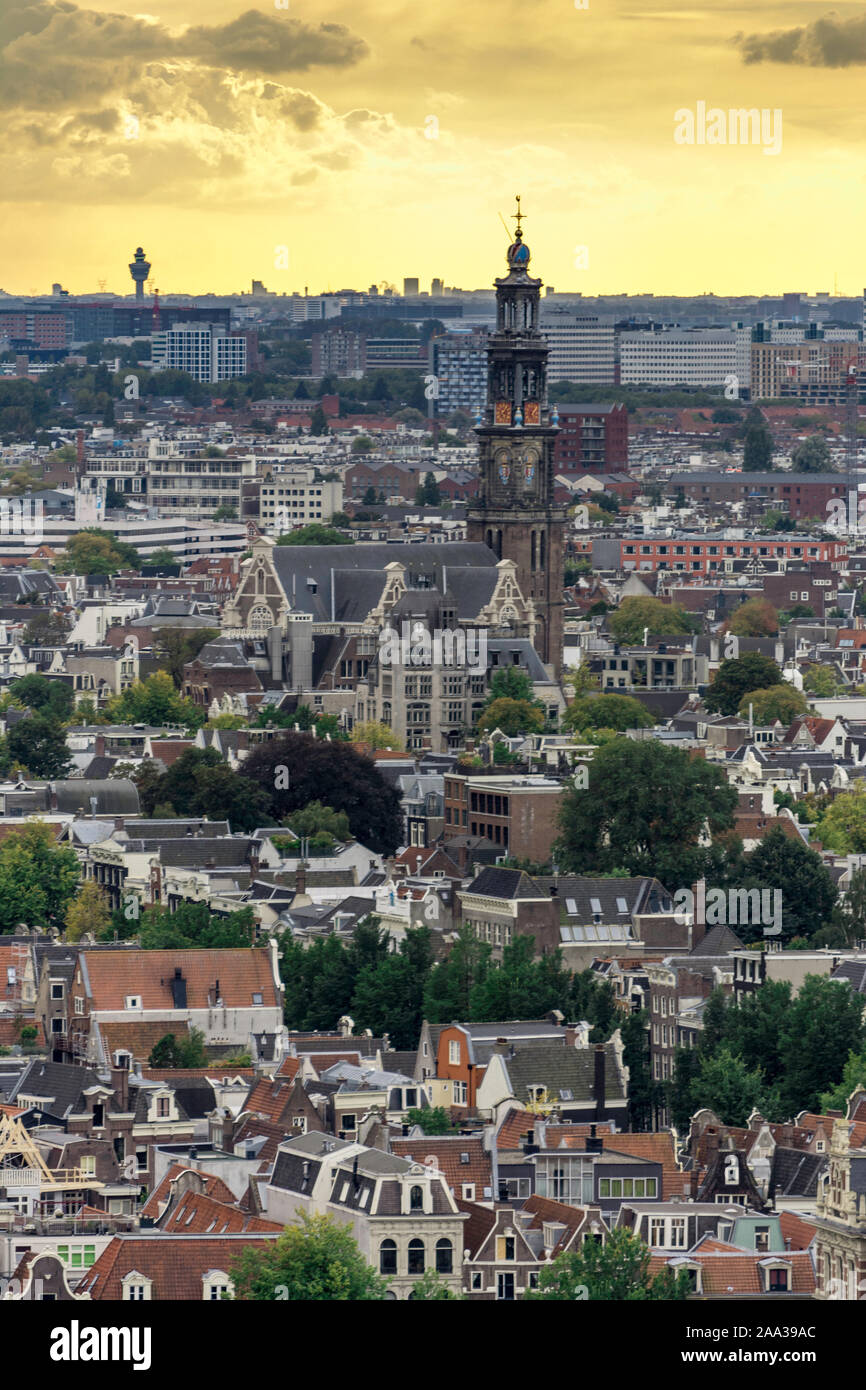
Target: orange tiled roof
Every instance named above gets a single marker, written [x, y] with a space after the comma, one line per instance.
[799, 1230]
[214, 1186]
[513, 1128]
[446, 1151]
[139, 1037]
[737, 1273]
[196, 1214]
[175, 1264]
[289, 1067]
[241, 973]
[655, 1148]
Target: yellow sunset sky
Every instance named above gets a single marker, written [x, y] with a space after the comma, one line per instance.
[214, 134]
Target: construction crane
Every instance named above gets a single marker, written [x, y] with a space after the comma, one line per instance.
[155, 310]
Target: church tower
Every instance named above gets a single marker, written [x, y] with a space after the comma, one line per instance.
[514, 513]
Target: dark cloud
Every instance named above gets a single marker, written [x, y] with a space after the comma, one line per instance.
[79, 54]
[829, 42]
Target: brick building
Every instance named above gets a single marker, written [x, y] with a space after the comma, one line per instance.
[592, 438]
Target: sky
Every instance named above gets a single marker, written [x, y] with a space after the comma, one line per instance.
[328, 144]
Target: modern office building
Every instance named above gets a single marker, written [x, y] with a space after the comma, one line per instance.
[204, 350]
[582, 348]
[458, 361]
[685, 357]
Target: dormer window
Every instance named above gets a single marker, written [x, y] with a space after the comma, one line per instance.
[133, 1001]
[416, 1198]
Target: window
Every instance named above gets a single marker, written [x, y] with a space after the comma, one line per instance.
[657, 1231]
[444, 1256]
[416, 1255]
[467, 1192]
[454, 1053]
[79, 1004]
[477, 1282]
[778, 1281]
[57, 991]
[388, 1257]
[505, 1248]
[416, 1199]
[162, 1107]
[88, 1165]
[505, 1287]
[678, 1233]
[348, 1122]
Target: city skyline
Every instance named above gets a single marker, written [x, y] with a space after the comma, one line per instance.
[238, 143]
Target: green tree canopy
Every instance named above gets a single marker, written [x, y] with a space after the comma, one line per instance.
[315, 534]
[783, 702]
[154, 701]
[755, 618]
[38, 743]
[615, 1271]
[50, 697]
[607, 712]
[735, 677]
[811, 455]
[315, 1260]
[634, 615]
[645, 810]
[38, 878]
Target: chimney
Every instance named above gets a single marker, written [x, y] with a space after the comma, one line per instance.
[120, 1086]
[227, 1130]
[598, 1083]
[301, 879]
[118, 823]
[501, 1047]
[594, 1144]
[178, 989]
[99, 746]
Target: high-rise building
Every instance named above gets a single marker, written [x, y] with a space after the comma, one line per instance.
[437, 286]
[515, 514]
[139, 269]
[411, 286]
[458, 361]
[685, 357]
[204, 350]
[582, 348]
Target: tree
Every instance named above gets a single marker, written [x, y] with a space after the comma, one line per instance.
[755, 618]
[315, 818]
[94, 551]
[88, 912]
[389, 991]
[824, 1025]
[318, 421]
[724, 1085]
[634, 615]
[821, 681]
[757, 443]
[314, 1260]
[315, 534]
[297, 769]
[512, 717]
[453, 982]
[848, 922]
[176, 646]
[509, 683]
[369, 498]
[225, 512]
[54, 698]
[431, 1286]
[200, 783]
[178, 1051]
[38, 743]
[373, 734]
[435, 1120]
[521, 987]
[811, 455]
[162, 558]
[737, 676]
[428, 493]
[808, 892]
[38, 878]
[645, 810]
[853, 1075]
[607, 712]
[192, 926]
[616, 1271]
[783, 702]
[842, 827]
[45, 630]
[362, 444]
[685, 1067]
[154, 701]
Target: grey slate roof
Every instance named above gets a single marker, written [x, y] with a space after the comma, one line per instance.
[59, 1083]
[349, 579]
[561, 1068]
[494, 882]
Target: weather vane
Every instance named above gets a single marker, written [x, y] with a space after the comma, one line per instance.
[517, 216]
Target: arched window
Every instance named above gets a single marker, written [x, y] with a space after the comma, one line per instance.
[533, 553]
[444, 1257]
[416, 1199]
[260, 581]
[261, 618]
[388, 1257]
[416, 1257]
